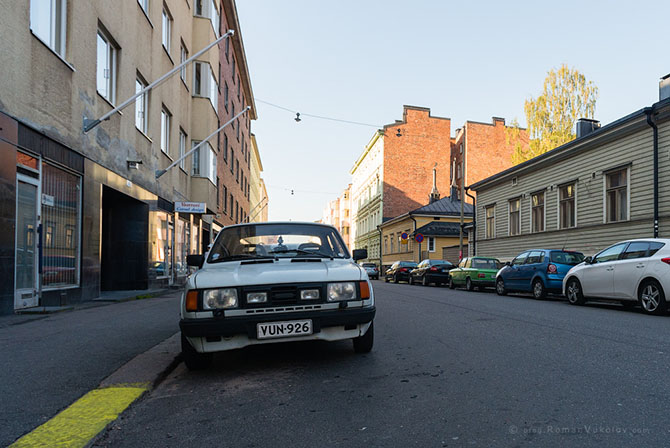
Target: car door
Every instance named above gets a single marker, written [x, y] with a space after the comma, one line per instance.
[629, 269]
[598, 278]
[512, 275]
[457, 273]
[529, 269]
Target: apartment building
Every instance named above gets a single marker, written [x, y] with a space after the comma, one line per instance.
[93, 201]
[258, 196]
[337, 213]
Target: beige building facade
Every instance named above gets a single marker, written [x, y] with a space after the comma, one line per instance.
[258, 198]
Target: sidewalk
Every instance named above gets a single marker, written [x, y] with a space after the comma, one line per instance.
[51, 360]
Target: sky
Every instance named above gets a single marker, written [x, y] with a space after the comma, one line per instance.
[362, 60]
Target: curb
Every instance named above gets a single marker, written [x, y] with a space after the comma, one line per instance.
[147, 295]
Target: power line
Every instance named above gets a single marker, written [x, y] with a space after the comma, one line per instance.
[320, 117]
[293, 190]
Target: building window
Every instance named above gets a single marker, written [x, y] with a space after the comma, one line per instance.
[61, 240]
[232, 161]
[431, 244]
[167, 29]
[144, 4]
[515, 217]
[208, 9]
[490, 222]
[225, 94]
[183, 57]
[566, 197]
[182, 149]
[165, 130]
[204, 84]
[106, 67]
[237, 171]
[232, 114]
[225, 147]
[238, 87]
[392, 239]
[233, 64]
[204, 162]
[227, 49]
[218, 195]
[141, 105]
[225, 199]
[616, 195]
[160, 241]
[537, 212]
[48, 23]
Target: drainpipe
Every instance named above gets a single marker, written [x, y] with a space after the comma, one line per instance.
[474, 222]
[381, 248]
[651, 123]
[413, 231]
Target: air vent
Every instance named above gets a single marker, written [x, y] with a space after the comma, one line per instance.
[305, 260]
[514, 181]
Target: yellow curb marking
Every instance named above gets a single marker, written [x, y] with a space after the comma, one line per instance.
[82, 420]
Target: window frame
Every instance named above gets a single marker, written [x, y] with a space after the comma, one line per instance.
[509, 217]
[560, 203]
[544, 211]
[144, 99]
[183, 56]
[166, 29]
[57, 41]
[183, 142]
[486, 221]
[430, 242]
[166, 125]
[112, 57]
[607, 173]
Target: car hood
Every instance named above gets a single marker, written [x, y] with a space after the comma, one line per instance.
[284, 270]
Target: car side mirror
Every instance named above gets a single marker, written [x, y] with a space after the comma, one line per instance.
[195, 260]
[588, 260]
[360, 254]
[509, 263]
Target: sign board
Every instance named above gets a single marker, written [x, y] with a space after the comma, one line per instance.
[190, 207]
[48, 200]
[404, 241]
[404, 236]
[418, 237]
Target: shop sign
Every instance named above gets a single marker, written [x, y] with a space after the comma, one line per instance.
[190, 207]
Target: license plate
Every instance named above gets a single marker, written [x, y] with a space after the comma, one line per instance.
[285, 329]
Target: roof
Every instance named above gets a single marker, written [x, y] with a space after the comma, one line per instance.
[437, 228]
[444, 206]
[575, 145]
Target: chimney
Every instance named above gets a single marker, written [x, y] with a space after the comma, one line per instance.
[664, 88]
[585, 126]
[434, 194]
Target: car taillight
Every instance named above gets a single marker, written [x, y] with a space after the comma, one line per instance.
[402, 270]
[481, 275]
[434, 269]
[552, 269]
[665, 260]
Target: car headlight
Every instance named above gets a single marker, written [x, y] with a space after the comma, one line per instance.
[309, 294]
[213, 299]
[341, 291]
[257, 297]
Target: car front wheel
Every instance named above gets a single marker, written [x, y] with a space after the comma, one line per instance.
[451, 283]
[363, 344]
[652, 298]
[573, 291]
[425, 281]
[500, 287]
[193, 359]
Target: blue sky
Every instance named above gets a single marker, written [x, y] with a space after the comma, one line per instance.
[361, 60]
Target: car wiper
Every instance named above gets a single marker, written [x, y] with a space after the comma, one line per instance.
[302, 252]
[242, 257]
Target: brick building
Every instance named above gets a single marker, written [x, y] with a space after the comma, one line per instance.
[480, 150]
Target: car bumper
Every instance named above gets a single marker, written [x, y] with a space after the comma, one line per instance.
[218, 334]
[555, 285]
[439, 277]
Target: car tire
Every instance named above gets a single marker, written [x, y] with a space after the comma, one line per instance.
[386, 279]
[539, 291]
[468, 284]
[424, 281]
[500, 287]
[395, 279]
[363, 344]
[652, 298]
[452, 285]
[573, 291]
[411, 280]
[192, 358]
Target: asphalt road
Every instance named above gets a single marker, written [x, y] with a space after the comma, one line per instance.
[449, 368]
[50, 361]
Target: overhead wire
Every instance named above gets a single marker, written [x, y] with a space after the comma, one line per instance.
[320, 117]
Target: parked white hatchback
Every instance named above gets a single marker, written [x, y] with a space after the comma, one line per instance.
[275, 282]
[634, 271]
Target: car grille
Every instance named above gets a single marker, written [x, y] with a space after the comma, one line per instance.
[281, 295]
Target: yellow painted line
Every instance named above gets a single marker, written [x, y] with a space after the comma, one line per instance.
[83, 419]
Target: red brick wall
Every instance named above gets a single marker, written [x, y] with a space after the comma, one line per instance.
[409, 160]
[236, 153]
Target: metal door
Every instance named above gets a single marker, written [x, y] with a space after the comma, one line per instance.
[26, 284]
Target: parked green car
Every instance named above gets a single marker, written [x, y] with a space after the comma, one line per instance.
[475, 271]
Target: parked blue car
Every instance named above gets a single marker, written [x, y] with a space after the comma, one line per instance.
[539, 271]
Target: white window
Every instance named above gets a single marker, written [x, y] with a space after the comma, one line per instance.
[106, 67]
[204, 162]
[515, 217]
[141, 105]
[616, 195]
[204, 84]
[167, 29]
[182, 59]
[537, 212]
[165, 131]
[431, 244]
[491, 221]
[48, 23]
[208, 9]
[182, 148]
[144, 4]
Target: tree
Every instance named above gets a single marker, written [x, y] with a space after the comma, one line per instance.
[551, 117]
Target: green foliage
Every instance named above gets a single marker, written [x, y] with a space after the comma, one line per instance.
[551, 117]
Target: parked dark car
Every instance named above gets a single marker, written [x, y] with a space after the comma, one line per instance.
[371, 269]
[539, 271]
[399, 271]
[431, 271]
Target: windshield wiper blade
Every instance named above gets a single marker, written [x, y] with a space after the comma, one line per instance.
[302, 252]
[242, 257]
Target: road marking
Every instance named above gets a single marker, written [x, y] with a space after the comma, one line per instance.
[84, 419]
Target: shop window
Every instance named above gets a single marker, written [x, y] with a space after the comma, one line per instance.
[160, 241]
[182, 240]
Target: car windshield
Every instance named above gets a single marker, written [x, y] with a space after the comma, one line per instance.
[277, 241]
[570, 258]
[438, 262]
[369, 265]
[478, 263]
[407, 264]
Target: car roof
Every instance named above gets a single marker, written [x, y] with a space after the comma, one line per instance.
[302, 223]
[647, 240]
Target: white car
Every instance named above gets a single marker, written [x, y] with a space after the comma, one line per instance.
[634, 271]
[275, 282]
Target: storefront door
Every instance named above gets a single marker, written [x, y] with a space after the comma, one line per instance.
[27, 204]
